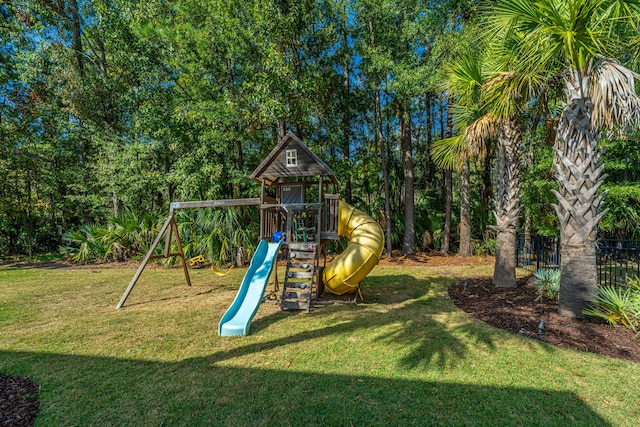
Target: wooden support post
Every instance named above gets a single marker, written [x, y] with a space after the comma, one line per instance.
[165, 229]
[319, 221]
[262, 214]
[174, 227]
[289, 226]
[167, 242]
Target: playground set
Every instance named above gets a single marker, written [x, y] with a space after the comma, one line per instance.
[294, 226]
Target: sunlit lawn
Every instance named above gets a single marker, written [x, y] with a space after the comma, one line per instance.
[407, 356]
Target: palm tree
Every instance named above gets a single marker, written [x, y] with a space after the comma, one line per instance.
[476, 122]
[577, 39]
[462, 84]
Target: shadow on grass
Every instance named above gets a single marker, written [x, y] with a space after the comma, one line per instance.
[405, 317]
[78, 390]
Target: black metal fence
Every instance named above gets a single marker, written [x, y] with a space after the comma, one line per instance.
[538, 252]
[616, 259]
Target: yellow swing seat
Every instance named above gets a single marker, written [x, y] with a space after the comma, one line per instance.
[221, 273]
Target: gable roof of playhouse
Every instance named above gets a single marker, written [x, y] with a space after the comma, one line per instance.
[275, 166]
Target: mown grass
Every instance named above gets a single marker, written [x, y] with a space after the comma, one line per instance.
[407, 356]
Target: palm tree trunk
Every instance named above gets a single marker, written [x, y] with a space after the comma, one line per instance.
[465, 211]
[579, 175]
[448, 187]
[507, 203]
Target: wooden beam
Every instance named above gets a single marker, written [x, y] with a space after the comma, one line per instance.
[215, 203]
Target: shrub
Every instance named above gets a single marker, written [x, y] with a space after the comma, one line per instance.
[125, 235]
[616, 305]
[485, 247]
[548, 282]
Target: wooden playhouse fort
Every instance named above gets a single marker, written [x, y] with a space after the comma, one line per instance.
[298, 216]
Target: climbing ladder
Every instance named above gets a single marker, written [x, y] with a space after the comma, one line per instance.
[301, 277]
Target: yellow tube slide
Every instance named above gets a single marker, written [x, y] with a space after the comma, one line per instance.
[366, 240]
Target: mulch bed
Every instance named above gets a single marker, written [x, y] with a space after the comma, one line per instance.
[516, 310]
[19, 401]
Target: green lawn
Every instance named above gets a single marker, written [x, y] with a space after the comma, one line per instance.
[407, 356]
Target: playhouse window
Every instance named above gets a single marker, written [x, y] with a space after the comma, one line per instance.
[292, 158]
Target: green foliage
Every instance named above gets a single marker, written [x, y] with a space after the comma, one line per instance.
[155, 103]
[622, 221]
[218, 233]
[537, 185]
[617, 305]
[547, 282]
[484, 247]
[125, 236]
[84, 244]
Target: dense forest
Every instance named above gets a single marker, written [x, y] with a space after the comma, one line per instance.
[110, 110]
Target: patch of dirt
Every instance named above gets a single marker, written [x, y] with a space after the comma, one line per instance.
[434, 259]
[516, 310]
[19, 401]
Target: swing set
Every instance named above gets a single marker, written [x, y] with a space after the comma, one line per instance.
[170, 229]
[199, 260]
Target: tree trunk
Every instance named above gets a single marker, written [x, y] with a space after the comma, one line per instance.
[385, 176]
[346, 112]
[77, 35]
[465, 211]
[409, 240]
[282, 130]
[507, 203]
[529, 162]
[504, 274]
[579, 175]
[29, 220]
[448, 187]
[117, 204]
[486, 192]
[448, 206]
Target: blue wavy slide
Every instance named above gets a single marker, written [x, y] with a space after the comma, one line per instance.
[237, 319]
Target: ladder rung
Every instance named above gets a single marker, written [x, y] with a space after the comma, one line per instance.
[295, 305]
[299, 274]
[303, 247]
[297, 285]
[293, 295]
[297, 255]
[304, 265]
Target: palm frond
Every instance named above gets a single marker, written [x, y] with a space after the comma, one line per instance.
[612, 91]
[447, 152]
[479, 132]
[465, 77]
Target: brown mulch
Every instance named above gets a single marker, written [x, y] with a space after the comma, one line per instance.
[19, 402]
[433, 259]
[516, 310]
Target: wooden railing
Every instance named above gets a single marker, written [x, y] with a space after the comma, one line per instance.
[330, 217]
[299, 222]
